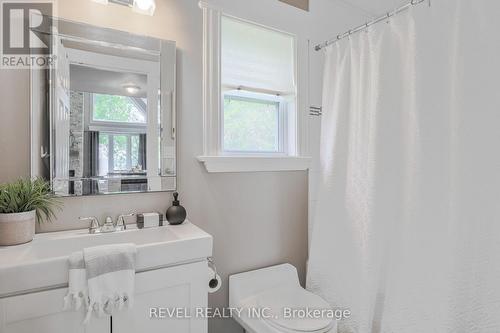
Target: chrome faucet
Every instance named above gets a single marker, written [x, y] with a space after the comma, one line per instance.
[108, 225]
[120, 224]
[94, 226]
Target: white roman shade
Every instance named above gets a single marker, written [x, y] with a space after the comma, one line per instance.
[256, 58]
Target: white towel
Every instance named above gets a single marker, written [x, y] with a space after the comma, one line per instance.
[108, 275]
[77, 291]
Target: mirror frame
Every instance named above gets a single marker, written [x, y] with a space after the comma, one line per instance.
[101, 36]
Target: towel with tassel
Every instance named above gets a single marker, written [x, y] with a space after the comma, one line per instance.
[78, 294]
[109, 279]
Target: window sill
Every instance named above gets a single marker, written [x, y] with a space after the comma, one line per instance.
[220, 164]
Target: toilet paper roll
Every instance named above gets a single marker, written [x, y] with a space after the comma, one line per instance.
[214, 281]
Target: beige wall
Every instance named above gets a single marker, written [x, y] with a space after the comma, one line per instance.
[14, 124]
[257, 219]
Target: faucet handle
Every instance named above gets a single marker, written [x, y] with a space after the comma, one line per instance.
[120, 221]
[94, 223]
[108, 225]
[108, 221]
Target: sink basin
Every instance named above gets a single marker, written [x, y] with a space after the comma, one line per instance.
[64, 243]
[42, 264]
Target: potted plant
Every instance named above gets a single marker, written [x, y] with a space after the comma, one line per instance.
[21, 204]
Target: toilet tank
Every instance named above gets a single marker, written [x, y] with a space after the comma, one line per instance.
[244, 285]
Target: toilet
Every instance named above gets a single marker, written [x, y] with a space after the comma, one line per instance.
[271, 300]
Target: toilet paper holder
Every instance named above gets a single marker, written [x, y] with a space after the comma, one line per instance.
[214, 282]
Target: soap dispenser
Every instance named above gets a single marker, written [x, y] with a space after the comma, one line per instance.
[176, 214]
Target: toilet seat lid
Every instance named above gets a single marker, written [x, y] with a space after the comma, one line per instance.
[291, 308]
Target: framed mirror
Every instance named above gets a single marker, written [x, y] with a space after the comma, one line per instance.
[103, 118]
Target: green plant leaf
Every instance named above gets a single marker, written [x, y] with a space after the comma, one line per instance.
[26, 195]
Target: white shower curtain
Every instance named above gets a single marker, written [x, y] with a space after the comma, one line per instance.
[407, 226]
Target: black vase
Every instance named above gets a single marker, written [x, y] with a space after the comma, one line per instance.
[176, 214]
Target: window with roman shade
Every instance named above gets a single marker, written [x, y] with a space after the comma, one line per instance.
[251, 97]
[256, 58]
[258, 88]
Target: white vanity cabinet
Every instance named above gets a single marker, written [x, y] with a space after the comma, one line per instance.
[172, 275]
[42, 312]
[177, 289]
[180, 289]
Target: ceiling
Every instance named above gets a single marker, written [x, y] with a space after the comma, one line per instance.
[94, 80]
[374, 8]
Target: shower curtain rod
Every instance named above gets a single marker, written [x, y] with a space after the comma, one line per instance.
[368, 24]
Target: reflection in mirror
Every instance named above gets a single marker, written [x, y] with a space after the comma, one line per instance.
[103, 118]
[108, 128]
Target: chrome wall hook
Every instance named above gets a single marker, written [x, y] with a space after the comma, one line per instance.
[211, 264]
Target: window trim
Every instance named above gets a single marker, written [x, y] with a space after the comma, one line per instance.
[225, 164]
[212, 158]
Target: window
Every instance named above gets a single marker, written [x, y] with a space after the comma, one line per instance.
[253, 123]
[122, 125]
[120, 109]
[250, 96]
[121, 152]
[258, 88]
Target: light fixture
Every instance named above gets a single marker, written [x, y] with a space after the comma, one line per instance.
[143, 4]
[146, 7]
[132, 88]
